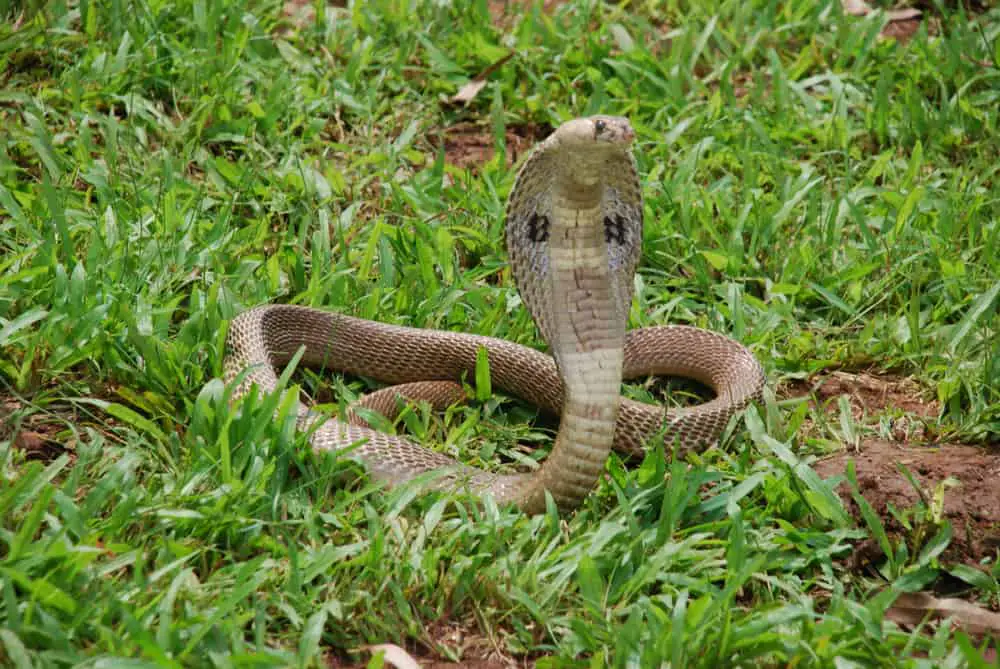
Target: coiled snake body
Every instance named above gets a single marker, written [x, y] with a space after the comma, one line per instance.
[574, 229]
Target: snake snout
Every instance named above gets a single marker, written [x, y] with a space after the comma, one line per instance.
[628, 134]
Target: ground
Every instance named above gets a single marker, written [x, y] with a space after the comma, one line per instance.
[820, 183]
[968, 472]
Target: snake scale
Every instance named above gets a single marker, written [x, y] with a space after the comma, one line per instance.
[573, 234]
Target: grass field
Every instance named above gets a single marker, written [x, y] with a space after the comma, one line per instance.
[826, 196]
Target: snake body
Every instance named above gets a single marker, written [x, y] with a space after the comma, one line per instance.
[573, 232]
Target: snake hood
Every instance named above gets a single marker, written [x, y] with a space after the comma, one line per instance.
[573, 230]
[574, 217]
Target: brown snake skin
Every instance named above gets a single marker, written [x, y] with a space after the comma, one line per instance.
[574, 225]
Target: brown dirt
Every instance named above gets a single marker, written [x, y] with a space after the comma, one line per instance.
[971, 498]
[870, 395]
[37, 435]
[504, 12]
[471, 145]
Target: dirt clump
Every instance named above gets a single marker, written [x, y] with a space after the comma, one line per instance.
[968, 474]
[471, 145]
[869, 395]
[903, 414]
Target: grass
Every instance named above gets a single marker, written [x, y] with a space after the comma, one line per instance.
[829, 198]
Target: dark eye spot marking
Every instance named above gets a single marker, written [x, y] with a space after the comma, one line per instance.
[538, 228]
[599, 127]
[614, 229]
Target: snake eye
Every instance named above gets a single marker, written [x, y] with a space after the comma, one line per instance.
[600, 126]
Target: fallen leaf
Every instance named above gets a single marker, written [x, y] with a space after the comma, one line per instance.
[911, 608]
[471, 88]
[862, 8]
[468, 91]
[901, 31]
[395, 656]
[903, 14]
[29, 441]
[856, 7]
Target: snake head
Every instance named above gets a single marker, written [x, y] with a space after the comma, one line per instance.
[593, 132]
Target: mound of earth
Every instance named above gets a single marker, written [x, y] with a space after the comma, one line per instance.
[971, 494]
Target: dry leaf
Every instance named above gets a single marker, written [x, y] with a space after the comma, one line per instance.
[467, 92]
[901, 31]
[856, 7]
[395, 656]
[911, 608]
[862, 8]
[29, 441]
[471, 88]
[903, 14]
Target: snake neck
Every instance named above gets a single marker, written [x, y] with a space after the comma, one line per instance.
[586, 432]
[586, 335]
[582, 315]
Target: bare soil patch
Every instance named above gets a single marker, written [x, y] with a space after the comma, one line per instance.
[971, 496]
[869, 392]
[471, 145]
[869, 395]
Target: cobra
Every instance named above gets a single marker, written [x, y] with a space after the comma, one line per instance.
[573, 235]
